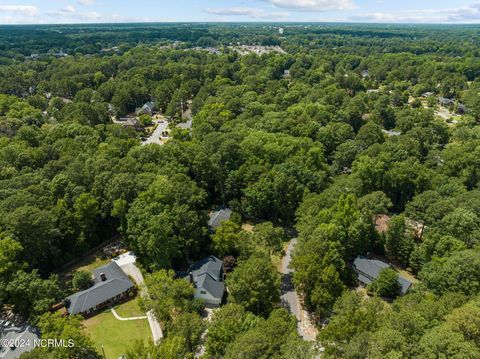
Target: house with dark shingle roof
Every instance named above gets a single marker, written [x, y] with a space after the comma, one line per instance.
[207, 277]
[147, 109]
[217, 217]
[111, 286]
[446, 101]
[368, 270]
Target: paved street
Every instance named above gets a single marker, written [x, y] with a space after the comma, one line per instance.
[290, 297]
[156, 136]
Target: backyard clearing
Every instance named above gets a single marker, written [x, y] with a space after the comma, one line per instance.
[117, 335]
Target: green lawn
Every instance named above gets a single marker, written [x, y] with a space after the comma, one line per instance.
[116, 335]
[130, 309]
[93, 263]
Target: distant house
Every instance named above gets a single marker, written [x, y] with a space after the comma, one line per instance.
[219, 216]
[147, 109]
[185, 125]
[111, 286]
[207, 277]
[368, 270]
[446, 101]
[130, 122]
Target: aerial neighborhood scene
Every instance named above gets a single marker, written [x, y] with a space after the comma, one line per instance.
[239, 179]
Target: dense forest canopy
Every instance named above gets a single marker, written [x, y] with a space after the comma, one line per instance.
[347, 124]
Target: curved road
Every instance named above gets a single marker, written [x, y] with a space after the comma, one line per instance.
[290, 299]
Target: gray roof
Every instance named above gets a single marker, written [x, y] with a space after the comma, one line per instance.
[369, 269]
[208, 274]
[185, 125]
[217, 217]
[117, 282]
[147, 107]
[446, 101]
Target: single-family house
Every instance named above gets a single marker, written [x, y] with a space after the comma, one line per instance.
[147, 109]
[111, 286]
[446, 101]
[130, 122]
[207, 277]
[427, 94]
[368, 270]
[217, 217]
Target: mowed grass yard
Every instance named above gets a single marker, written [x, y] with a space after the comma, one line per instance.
[117, 335]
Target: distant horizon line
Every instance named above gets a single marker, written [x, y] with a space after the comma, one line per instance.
[249, 22]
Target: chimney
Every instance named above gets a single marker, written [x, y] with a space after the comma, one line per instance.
[190, 274]
[103, 277]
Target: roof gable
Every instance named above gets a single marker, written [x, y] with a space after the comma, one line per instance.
[208, 275]
[371, 268]
[116, 283]
[217, 217]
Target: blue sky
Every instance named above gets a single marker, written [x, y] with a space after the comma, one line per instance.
[387, 11]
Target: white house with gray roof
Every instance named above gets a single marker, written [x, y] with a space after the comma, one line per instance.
[369, 269]
[112, 285]
[207, 277]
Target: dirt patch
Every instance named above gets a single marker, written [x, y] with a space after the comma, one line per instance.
[381, 223]
[248, 227]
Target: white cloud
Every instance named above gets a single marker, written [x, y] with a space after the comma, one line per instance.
[69, 9]
[66, 11]
[85, 2]
[465, 14]
[249, 12]
[25, 10]
[69, 12]
[314, 5]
